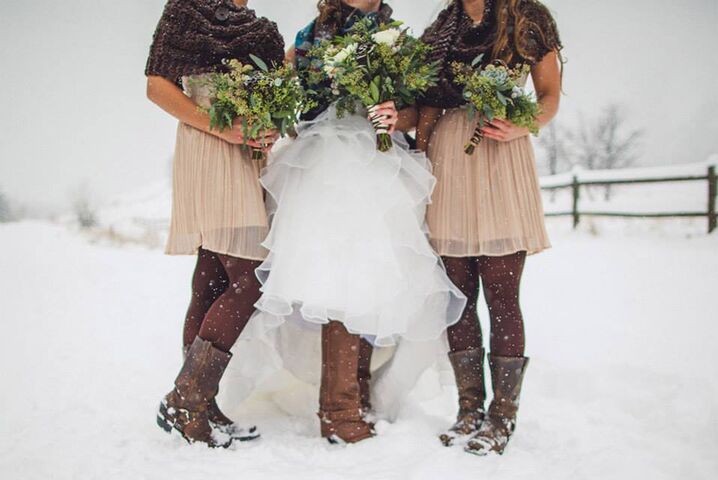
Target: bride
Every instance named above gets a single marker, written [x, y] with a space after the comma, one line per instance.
[348, 249]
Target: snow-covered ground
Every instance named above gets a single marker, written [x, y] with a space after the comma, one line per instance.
[621, 330]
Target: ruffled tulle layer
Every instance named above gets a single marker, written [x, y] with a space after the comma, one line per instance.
[348, 239]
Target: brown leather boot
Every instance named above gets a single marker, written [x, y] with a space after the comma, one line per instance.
[469, 372]
[340, 407]
[223, 423]
[185, 408]
[507, 375]
[364, 375]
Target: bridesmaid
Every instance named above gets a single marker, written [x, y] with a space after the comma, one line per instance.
[487, 215]
[218, 210]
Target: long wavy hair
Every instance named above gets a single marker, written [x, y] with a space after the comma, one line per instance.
[330, 14]
[518, 24]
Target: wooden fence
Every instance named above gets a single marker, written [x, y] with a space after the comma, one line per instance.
[576, 184]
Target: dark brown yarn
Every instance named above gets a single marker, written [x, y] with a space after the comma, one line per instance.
[334, 15]
[195, 36]
[455, 38]
[537, 36]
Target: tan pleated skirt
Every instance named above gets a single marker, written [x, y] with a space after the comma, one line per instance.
[488, 203]
[217, 200]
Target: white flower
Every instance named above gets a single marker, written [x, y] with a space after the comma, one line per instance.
[330, 70]
[387, 37]
[341, 56]
[344, 53]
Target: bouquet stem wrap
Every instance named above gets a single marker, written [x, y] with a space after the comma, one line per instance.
[383, 139]
[476, 139]
[257, 154]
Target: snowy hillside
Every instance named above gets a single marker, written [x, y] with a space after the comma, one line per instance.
[621, 331]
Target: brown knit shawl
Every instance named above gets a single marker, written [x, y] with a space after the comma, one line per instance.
[339, 23]
[455, 38]
[194, 36]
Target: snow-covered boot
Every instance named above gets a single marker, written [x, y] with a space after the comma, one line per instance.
[224, 424]
[507, 375]
[185, 408]
[340, 406]
[468, 368]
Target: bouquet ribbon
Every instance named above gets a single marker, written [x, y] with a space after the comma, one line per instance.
[384, 142]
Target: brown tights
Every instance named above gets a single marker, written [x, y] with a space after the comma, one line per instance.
[224, 291]
[501, 278]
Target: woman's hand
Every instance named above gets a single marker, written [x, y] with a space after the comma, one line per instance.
[265, 138]
[171, 99]
[388, 114]
[503, 131]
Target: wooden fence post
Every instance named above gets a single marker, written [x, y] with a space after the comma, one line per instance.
[575, 186]
[712, 199]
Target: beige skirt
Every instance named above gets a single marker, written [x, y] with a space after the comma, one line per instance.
[217, 200]
[488, 203]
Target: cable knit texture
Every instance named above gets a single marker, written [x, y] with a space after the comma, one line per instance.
[195, 36]
[455, 38]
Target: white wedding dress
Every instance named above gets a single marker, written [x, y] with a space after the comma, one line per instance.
[348, 242]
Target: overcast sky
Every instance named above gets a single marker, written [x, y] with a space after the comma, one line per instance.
[72, 84]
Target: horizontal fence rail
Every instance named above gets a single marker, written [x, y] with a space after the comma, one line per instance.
[576, 183]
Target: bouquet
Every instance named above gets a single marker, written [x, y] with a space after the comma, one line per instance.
[495, 92]
[264, 98]
[370, 65]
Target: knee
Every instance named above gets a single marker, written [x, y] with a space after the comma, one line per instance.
[209, 286]
[501, 295]
[245, 287]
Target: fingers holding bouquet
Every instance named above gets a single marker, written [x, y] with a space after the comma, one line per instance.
[503, 130]
[384, 114]
[380, 67]
[237, 135]
[495, 92]
[254, 105]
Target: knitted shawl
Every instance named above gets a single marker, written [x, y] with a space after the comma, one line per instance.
[195, 36]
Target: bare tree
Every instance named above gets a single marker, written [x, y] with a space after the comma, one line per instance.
[619, 147]
[82, 207]
[585, 144]
[554, 142]
[607, 143]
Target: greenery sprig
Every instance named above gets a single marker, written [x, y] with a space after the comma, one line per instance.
[496, 91]
[369, 65]
[263, 98]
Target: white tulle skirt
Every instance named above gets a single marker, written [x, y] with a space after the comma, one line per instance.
[348, 240]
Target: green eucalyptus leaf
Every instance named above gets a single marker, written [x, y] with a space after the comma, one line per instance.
[488, 113]
[259, 62]
[471, 113]
[501, 97]
[374, 90]
[477, 60]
